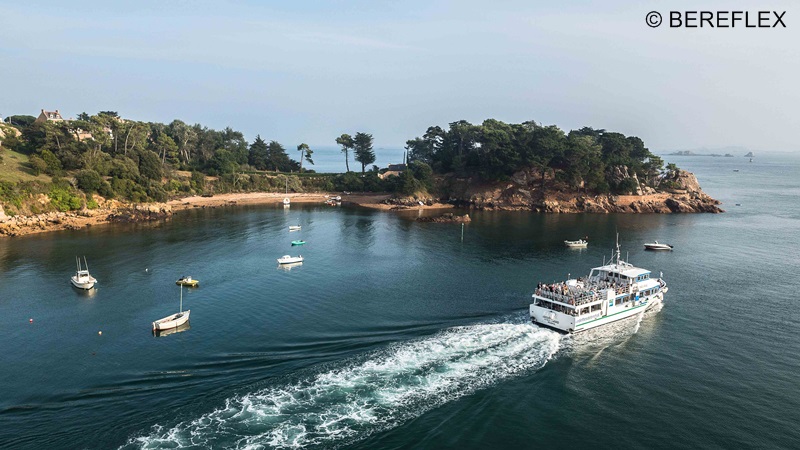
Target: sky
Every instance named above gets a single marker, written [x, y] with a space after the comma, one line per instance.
[308, 71]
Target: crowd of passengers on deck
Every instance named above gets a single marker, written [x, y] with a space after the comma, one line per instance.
[578, 294]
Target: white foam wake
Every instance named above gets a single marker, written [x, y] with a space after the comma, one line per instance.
[361, 397]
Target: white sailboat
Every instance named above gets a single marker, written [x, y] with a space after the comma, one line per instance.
[174, 320]
[286, 201]
[82, 279]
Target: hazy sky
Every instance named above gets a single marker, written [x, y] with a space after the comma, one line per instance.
[306, 71]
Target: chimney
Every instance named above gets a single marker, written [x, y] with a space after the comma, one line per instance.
[42, 111]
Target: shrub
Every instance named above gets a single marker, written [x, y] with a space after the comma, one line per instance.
[89, 180]
[37, 165]
[63, 199]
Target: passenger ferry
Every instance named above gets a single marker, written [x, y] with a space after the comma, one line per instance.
[611, 292]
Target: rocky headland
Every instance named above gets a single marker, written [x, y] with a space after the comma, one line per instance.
[676, 192]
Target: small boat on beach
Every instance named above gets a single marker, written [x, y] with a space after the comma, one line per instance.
[294, 227]
[174, 320]
[657, 246]
[187, 281]
[82, 279]
[580, 243]
[298, 242]
[286, 259]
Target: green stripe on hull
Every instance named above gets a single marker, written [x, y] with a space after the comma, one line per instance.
[611, 315]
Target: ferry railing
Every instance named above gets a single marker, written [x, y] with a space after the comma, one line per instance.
[574, 300]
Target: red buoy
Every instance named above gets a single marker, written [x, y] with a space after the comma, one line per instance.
[31, 320]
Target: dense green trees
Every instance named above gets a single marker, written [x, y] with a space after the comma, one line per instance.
[584, 159]
[139, 161]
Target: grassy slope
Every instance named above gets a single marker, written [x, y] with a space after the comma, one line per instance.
[15, 169]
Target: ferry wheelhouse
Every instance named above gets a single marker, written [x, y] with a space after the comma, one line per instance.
[611, 292]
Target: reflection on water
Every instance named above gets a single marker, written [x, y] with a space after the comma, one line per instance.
[89, 293]
[182, 328]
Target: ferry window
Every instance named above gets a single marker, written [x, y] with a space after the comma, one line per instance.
[585, 310]
[596, 308]
[620, 301]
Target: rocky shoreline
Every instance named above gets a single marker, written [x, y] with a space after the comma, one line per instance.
[521, 193]
[76, 220]
[681, 194]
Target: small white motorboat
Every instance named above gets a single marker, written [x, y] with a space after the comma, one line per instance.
[294, 227]
[286, 201]
[187, 281]
[174, 320]
[657, 246]
[580, 243]
[82, 279]
[286, 259]
[290, 266]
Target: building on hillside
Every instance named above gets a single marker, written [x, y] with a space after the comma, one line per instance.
[49, 116]
[393, 169]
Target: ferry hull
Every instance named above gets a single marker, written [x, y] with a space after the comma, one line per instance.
[566, 323]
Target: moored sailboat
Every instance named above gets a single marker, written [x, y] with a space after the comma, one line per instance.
[174, 320]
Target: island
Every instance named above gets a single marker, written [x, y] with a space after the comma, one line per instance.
[691, 153]
[62, 173]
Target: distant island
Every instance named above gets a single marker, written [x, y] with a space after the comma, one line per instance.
[724, 152]
[57, 170]
[691, 153]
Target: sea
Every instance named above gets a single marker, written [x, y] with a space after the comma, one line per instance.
[330, 159]
[396, 334]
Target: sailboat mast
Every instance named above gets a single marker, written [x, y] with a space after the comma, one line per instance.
[181, 307]
[85, 263]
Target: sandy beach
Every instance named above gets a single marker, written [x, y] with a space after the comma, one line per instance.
[367, 200]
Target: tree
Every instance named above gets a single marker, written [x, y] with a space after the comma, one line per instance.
[362, 147]
[305, 153]
[20, 121]
[278, 160]
[166, 148]
[346, 141]
[149, 165]
[88, 180]
[258, 154]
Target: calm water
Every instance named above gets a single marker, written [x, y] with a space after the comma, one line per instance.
[395, 334]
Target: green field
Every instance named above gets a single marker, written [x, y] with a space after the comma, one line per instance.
[14, 168]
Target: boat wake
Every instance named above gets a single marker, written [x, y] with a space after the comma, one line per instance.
[358, 397]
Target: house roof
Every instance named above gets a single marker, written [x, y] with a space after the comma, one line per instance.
[51, 115]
